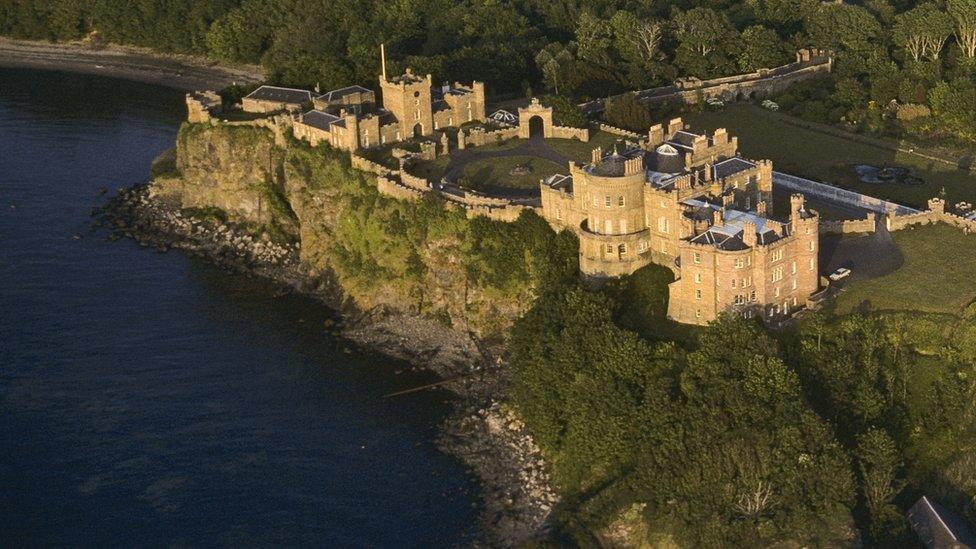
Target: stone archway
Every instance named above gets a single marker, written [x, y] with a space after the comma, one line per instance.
[537, 128]
[418, 130]
[528, 115]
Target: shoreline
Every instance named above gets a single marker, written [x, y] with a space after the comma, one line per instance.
[181, 72]
[515, 496]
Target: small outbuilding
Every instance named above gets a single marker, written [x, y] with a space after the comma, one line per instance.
[938, 528]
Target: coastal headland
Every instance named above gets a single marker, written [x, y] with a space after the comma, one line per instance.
[182, 72]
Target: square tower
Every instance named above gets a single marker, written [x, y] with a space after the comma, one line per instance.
[408, 98]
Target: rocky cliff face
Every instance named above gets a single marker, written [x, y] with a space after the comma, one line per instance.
[399, 257]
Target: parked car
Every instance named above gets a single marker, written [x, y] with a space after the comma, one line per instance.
[840, 274]
[714, 102]
[771, 105]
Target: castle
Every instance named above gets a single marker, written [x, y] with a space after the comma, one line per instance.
[689, 202]
[349, 119]
[679, 199]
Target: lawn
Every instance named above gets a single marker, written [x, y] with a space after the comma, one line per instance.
[821, 156]
[493, 174]
[937, 275]
[583, 152]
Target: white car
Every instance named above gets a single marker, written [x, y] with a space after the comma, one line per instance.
[771, 105]
[840, 274]
[715, 102]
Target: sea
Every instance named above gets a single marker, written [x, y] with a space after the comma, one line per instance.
[153, 399]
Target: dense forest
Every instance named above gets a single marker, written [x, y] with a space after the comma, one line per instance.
[921, 55]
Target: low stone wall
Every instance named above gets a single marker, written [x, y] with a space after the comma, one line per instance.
[849, 226]
[836, 194]
[621, 132]
[367, 165]
[414, 182]
[967, 225]
[395, 189]
[566, 132]
[478, 137]
[899, 222]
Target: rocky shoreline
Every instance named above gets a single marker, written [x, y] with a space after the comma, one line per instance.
[481, 431]
[182, 72]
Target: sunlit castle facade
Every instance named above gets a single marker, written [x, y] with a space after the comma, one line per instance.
[689, 202]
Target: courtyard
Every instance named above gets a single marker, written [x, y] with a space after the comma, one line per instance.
[512, 167]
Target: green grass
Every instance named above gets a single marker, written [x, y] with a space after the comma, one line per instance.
[582, 152]
[432, 170]
[937, 275]
[817, 155]
[494, 173]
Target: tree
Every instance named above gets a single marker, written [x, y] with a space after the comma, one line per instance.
[923, 31]
[878, 463]
[706, 42]
[554, 61]
[627, 112]
[963, 12]
[565, 111]
[761, 48]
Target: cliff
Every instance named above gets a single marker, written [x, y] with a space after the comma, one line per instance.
[424, 259]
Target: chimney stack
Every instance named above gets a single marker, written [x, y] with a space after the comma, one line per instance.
[749, 234]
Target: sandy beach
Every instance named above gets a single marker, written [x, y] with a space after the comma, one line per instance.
[182, 72]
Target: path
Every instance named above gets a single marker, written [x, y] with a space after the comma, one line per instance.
[867, 257]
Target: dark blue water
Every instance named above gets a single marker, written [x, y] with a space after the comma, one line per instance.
[152, 399]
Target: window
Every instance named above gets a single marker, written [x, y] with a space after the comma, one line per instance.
[609, 248]
[697, 313]
[813, 263]
[596, 201]
[559, 213]
[739, 263]
[664, 225]
[812, 245]
[697, 278]
[794, 301]
[642, 246]
[740, 299]
[417, 116]
[777, 255]
[793, 284]
[777, 274]
[606, 200]
[623, 249]
[435, 124]
[748, 203]
[747, 281]
[776, 292]
[416, 102]
[697, 257]
[697, 294]
[734, 283]
[752, 296]
[794, 267]
[620, 201]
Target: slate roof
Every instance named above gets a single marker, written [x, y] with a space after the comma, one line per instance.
[728, 236]
[320, 119]
[730, 167]
[938, 528]
[665, 159]
[683, 139]
[281, 95]
[335, 95]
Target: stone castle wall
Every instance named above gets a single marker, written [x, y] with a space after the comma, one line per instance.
[810, 63]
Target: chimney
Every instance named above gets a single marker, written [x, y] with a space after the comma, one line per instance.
[708, 171]
[720, 137]
[597, 155]
[699, 145]
[749, 234]
[655, 135]
[718, 218]
[761, 208]
[675, 125]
